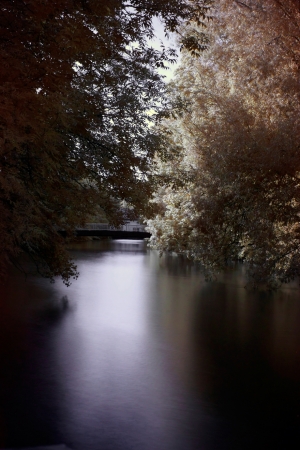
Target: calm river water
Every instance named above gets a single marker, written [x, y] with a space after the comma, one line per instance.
[140, 353]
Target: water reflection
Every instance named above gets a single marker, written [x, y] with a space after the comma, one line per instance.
[141, 353]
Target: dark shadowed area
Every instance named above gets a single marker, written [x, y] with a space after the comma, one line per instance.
[141, 353]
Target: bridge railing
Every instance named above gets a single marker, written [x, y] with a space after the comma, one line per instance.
[133, 226]
[95, 226]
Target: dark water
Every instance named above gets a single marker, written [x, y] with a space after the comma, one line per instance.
[140, 353]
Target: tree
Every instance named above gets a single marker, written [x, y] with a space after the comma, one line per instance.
[229, 179]
[77, 83]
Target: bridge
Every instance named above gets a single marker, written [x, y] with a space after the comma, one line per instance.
[131, 230]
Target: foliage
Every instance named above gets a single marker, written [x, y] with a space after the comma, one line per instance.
[77, 83]
[229, 176]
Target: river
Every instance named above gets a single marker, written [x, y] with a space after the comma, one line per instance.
[140, 353]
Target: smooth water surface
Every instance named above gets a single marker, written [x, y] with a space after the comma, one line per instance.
[141, 353]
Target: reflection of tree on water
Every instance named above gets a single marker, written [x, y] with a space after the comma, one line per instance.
[237, 351]
[178, 265]
[249, 354]
[56, 309]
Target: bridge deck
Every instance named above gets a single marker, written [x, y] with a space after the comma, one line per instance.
[114, 234]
